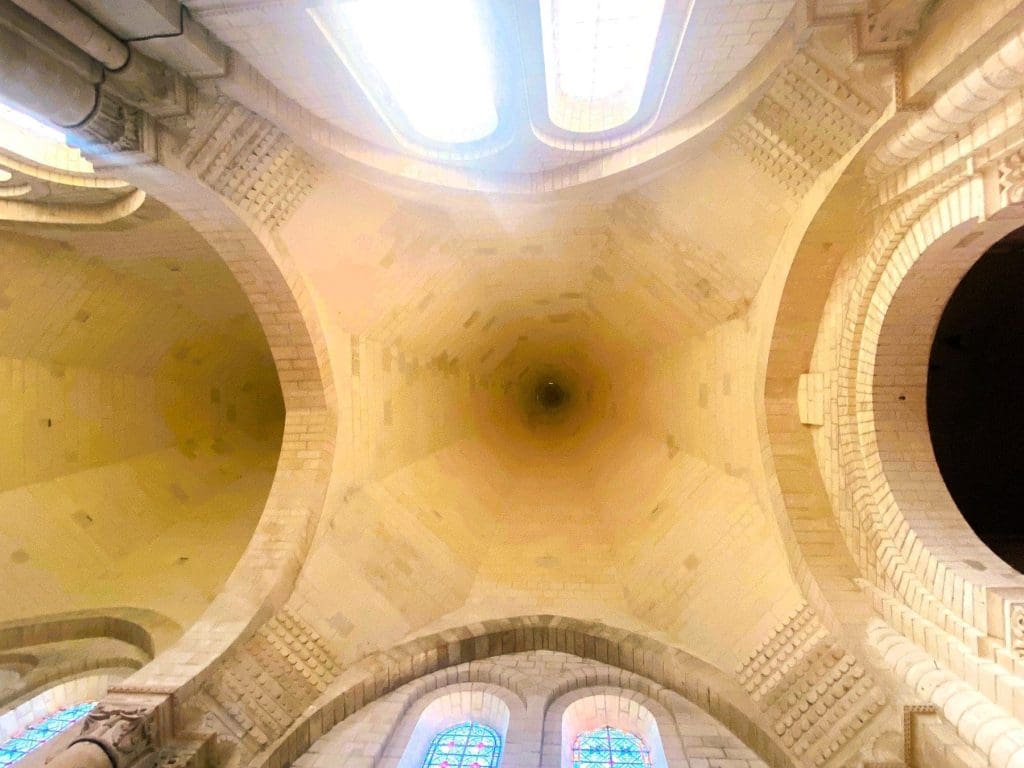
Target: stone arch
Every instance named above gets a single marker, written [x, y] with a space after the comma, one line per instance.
[140, 627]
[709, 689]
[241, 233]
[919, 538]
[894, 283]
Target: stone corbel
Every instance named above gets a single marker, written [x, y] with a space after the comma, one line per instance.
[1006, 619]
[890, 25]
[1006, 183]
[811, 399]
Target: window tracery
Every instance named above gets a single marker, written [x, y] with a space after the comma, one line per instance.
[610, 746]
[466, 745]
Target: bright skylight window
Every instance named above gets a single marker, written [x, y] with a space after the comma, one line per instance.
[429, 60]
[23, 135]
[597, 55]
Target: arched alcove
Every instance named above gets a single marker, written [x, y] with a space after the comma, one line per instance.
[143, 414]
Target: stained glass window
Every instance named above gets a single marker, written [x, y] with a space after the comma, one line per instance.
[37, 734]
[466, 745]
[610, 746]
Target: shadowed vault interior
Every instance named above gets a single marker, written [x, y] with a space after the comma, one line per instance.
[142, 418]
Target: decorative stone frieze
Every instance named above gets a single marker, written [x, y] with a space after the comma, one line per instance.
[249, 161]
[890, 25]
[262, 688]
[1011, 179]
[807, 120]
[1015, 628]
[817, 695]
[911, 713]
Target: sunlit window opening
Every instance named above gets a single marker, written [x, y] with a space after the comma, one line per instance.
[610, 746]
[37, 734]
[597, 55]
[430, 61]
[23, 135]
[467, 745]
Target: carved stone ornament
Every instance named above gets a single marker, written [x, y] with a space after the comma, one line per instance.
[116, 132]
[891, 24]
[1011, 179]
[125, 734]
[1016, 629]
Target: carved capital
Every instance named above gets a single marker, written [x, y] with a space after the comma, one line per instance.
[126, 734]
[890, 25]
[117, 133]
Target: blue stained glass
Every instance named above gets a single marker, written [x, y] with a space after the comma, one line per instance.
[610, 746]
[37, 734]
[466, 745]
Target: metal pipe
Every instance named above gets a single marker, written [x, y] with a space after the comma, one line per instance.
[980, 89]
[41, 84]
[41, 36]
[80, 29]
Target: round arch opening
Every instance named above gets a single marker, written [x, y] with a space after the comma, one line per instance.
[974, 409]
[143, 415]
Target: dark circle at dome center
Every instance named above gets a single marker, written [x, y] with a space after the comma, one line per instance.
[551, 395]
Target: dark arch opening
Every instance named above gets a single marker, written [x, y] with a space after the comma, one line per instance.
[976, 398]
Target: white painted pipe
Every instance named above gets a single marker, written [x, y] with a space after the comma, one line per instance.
[41, 36]
[78, 28]
[979, 90]
[40, 84]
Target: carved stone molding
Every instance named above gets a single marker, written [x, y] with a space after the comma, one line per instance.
[1011, 179]
[255, 694]
[910, 716]
[810, 116]
[890, 25]
[117, 133]
[127, 734]
[817, 695]
[249, 161]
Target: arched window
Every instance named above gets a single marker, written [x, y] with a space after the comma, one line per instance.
[37, 734]
[610, 746]
[466, 745]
